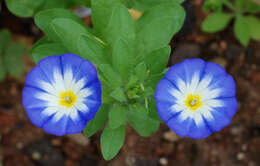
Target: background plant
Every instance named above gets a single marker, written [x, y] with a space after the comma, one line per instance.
[10, 56]
[244, 13]
[29, 8]
[131, 57]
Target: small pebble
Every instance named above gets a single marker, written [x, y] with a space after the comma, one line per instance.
[223, 45]
[82, 12]
[235, 130]
[170, 136]
[221, 61]
[19, 145]
[214, 46]
[79, 139]
[240, 156]
[56, 142]
[163, 161]
[251, 163]
[130, 160]
[244, 147]
[36, 155]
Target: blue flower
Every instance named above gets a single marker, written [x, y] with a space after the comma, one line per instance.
[62, 93]
[196, 98]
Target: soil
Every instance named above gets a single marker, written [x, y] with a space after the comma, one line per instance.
[22, 144]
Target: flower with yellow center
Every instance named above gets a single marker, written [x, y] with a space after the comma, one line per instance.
[62, 93]
[67, 98]
[193, 102]
[196, 98]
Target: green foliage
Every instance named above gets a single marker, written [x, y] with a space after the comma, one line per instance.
[112, 139]
[10, 56]
[254, 27]
[130, 56]
[120, 26]
[149, 33]
[242, 30]
[44, 19]
[28, 8]
[246, 25]
[138, 117]
[143, 5]
[117, 116]
[121, 52]
[214, 5]
[216, 22]
[119, 95]
[99, 120]
[47, 49]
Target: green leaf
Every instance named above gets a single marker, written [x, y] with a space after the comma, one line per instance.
[43, 40]
[157, 60]
[252, 7]
[99, 120]
[5, 37]
[63, 28]
[216, 22]
[141, 71]
[92, 49]
[15, 50]
[242, 30]
[117, 116]
[157, 26]
[214, 5]
[101, 14]
[44, 50]
[12, 59]
[132, 81]
[50, 4]
[143, 5]
[239, 4]
[122, 58]
[148, 92]
[138, 118]
[14, 67]
[24, 8]
[80, 3]
[111, 141]
[2, 70]
[110, 75]
[44, 18]
[153, 113]
[119, 95]
[106, 98]
[153, 80]
[254, 26]
[121, 26]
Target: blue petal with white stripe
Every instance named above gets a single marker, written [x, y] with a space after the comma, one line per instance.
[62, 93]
[196, 98]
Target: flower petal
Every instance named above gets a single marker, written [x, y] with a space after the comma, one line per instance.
[54, 76]
[166, 91]
[216, 95]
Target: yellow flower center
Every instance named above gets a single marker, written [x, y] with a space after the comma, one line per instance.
[193, 102]
[67, 99]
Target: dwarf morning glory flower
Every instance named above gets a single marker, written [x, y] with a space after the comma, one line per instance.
[62, 93]
[196, 98]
